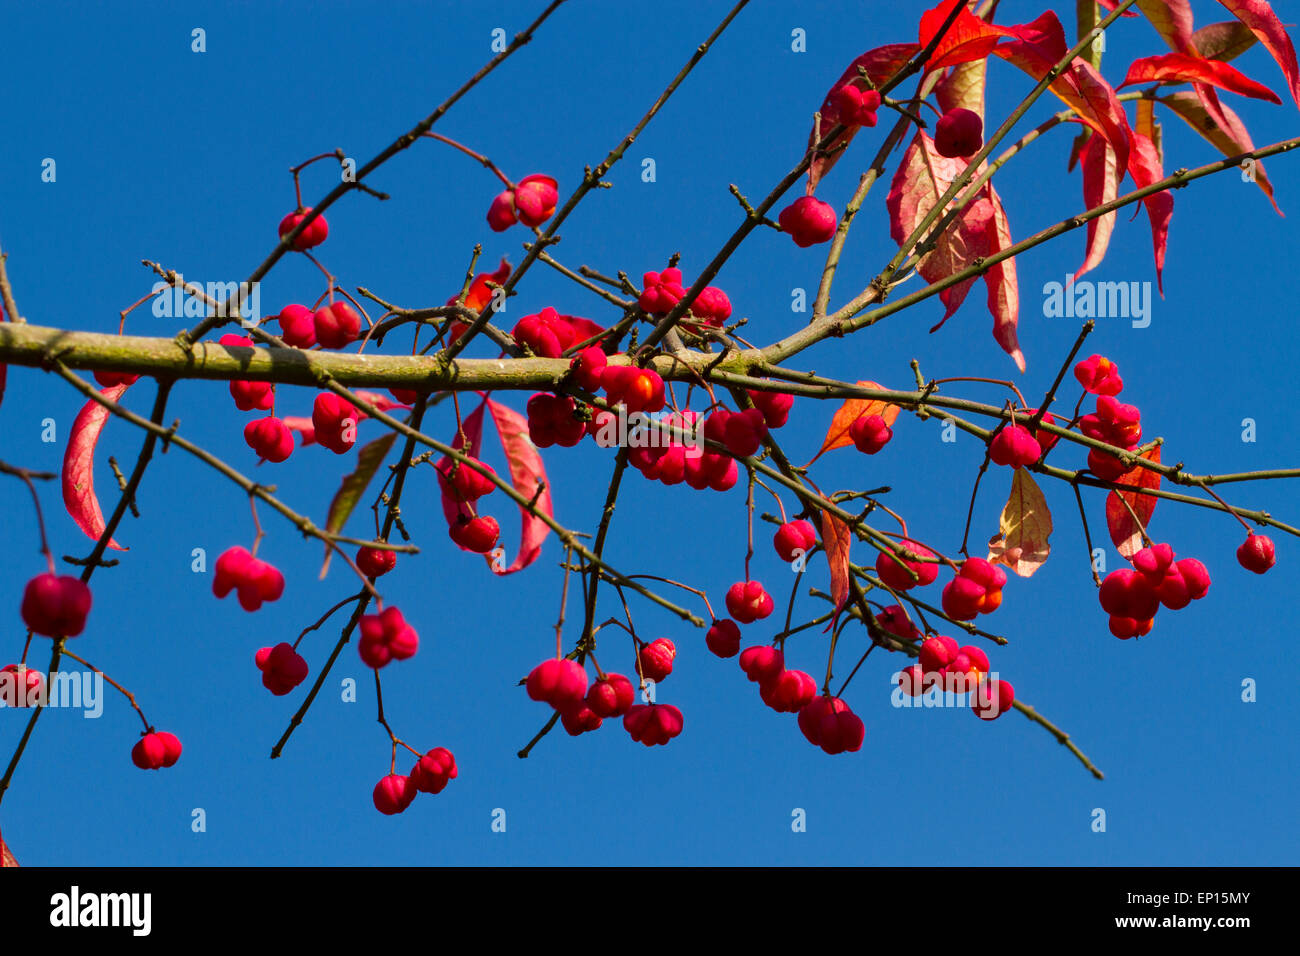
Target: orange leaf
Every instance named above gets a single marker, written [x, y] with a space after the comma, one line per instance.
[1023, 530]
[836, 538]
[1124, 532]
[837, 436]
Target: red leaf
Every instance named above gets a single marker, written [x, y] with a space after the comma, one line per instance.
[1004, 289]
[837, 436]
[1223, 41]
[1227, 132]
[836, 537]
[79, 466]
[922, 178]
[1181, 68]
[880, 64]
[968, 39]
[1124, 531]
[1101, 178]
[526, 472]
[1145, 168]
[963, 88]
[303, 426]
[479, 295]
[6, 856]
[1263, 22]
[1110, 5]
[1039, 47]
[1172, 20]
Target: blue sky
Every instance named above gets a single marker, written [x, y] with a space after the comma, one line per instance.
[182, 158]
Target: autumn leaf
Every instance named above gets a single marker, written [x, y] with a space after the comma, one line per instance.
[963, 87]
[1259, 17]
[1181, 68]
[1101, 176]
[6, 856]
[1172, 20]
[968, 38]
[836, 537]
[1124, 531]
[1223, 41]
[837, 436]
[1004, 288]
[1145, 168]
[1026, 524]
[1226, 132]
[79, 466]
[369, 457]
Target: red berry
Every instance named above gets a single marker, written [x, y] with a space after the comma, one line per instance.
[794, 536]
[393, 794]
[547, 333]
[404, 395]
[761, 663]
[870, 433]
[56, 605]
[639, 389]
[937, 653]
[156, 750]
[992, 699]
[711, 306]
[661, 291]
[337, 325]
[588, 366]
[463, 481]
[1127, 593]
[774, 405]
[652, 724]
[252, 396]
[376, 562]
[552, 421]
[386, 637]
[855, 106]
[912, 681]
[560, 682]
[1046, 440]
[501, 214]
[958, 133]
[297, 326]
[1256, 553]
[723, 638]
[893, 570]
[282, 668]
[748, 602]
[656, 659]
[254, 581]
[475, 534]
[335, 421]
[788, 692]
[977, 589]
[21, 686]
[894, 621]
[1099, 375]
[1014, 446]
[310, 237]
[610, 697]
[580, 720]
[828, 723]
[809, 221]
[270, 438]
[432, 771]
[109, 379]
[535, 199]
[966, 670]
[1153, 563]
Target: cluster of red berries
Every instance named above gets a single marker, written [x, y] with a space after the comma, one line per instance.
[976, 590]
[826, 722]
[549, 334]
[1131, 596]
[332, 326]
[531, 202]
[903, 573]
[943, 664]
[376, 562]
[462, 486]
[562, 683]
[1113, 422]
[395, 792]
[661, 291]
[255, 581]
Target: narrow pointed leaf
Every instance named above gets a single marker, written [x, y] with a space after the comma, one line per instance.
[369, 457]
[79, 466]
[1003, 287]
[1181, 68]
[1223, 41]
[1268, 29]
[527, 473]
[1229, 135]
[1101, 176]
[1124, 532]
[836, 538]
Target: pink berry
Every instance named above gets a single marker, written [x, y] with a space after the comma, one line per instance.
[432, 771]
[958, 133]
[56, 605]
[794, 536]
[478, 535]
[762, 663]
[270, 438]
[376, 562]
[894, 570]
[386, 637]
[748, 602]
[297, 326]
[337, 325]
[310, 237]
[610, 697]
[809, 221]
[723, 638]
[282, 668]
[560, 682]
[393, 794]
[656, 659]
[1256, 553]
[870, 433]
